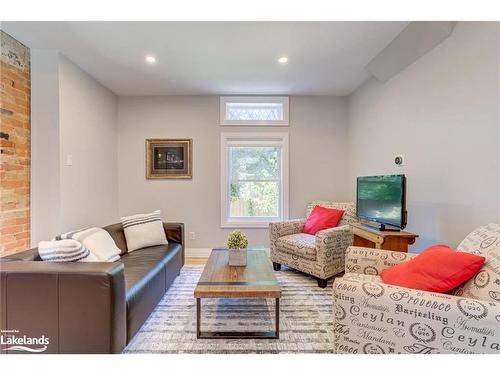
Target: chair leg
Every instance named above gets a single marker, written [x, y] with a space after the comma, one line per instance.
[322, 283]
[276, 266]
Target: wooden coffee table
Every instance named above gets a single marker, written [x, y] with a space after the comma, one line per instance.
[219, 280]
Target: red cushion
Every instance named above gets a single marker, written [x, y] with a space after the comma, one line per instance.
[437, 269]
[322, 218]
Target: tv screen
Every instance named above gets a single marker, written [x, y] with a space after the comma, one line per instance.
[382, 199]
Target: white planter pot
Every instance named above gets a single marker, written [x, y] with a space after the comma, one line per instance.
[237, 257]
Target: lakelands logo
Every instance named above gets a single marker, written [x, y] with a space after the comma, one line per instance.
[11, 340]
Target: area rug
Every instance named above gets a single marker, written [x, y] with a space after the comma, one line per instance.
[305, 319]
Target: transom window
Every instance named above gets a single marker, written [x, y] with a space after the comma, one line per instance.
[254, 110]
[254, 179]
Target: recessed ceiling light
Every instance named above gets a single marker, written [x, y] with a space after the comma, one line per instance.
[151, 59]
[283, 60]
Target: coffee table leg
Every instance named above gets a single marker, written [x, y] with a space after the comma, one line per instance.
[277, 316]
[198, 317]
[237, 335]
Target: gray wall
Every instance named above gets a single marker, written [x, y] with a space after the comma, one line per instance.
[318, 159]
[71, 114]
[45, 153]
[88, 113]
[442, 112]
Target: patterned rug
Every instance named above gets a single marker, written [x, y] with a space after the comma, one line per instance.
[305, 319]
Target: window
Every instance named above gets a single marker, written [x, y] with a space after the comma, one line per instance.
[254, 110]
[254, 179]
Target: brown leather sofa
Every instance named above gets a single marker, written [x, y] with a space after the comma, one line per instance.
[88, 307]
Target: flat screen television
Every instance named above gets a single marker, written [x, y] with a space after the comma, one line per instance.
[382, 199]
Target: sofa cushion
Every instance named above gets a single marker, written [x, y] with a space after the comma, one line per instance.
[484, 241]
[148, 274]
[299, 244]
[486, 284]
[117, 234]
[141, 266]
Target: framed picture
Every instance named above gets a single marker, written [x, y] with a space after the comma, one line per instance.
[169, 158]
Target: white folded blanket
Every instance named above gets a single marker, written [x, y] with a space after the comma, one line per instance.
[64, 251]
[97, 240]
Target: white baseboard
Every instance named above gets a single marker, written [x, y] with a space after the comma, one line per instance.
[198, 252]
[204, 252]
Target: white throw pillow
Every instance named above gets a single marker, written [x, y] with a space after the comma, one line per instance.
[143, 230]
[97, 240]
[64, 251]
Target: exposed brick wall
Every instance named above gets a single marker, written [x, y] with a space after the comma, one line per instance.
[15, 158]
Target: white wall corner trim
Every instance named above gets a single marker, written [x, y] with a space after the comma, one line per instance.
[417, 39]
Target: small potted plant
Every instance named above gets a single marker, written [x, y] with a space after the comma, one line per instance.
[237, 243]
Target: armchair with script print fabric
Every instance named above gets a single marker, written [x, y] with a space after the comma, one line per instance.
[321, 255]
[372, 317]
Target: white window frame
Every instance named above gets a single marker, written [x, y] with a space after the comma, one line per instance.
[280, 139]
[284, 100]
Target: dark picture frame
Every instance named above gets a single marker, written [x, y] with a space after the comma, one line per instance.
[169, 158]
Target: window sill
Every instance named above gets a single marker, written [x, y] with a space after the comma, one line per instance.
[263, 224]
[268, 124]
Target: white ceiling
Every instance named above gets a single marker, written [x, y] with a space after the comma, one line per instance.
[325, 58]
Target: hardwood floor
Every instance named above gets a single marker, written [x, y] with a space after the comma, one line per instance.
[193, 262]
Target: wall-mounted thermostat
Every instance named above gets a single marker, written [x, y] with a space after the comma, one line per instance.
[400, 160]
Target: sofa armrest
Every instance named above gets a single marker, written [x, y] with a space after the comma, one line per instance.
[333, 233]
[331, 244]
[79, 307]
[31, 254]
[174, 232]
[371, 261]
[372, 317]
[285, 228]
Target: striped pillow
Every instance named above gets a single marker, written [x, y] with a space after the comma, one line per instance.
[64, 251]
[143, 230]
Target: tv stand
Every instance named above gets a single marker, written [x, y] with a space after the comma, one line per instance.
[369, 236]
[381, 228]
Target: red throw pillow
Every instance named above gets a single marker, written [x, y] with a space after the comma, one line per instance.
[322, 218]
[436, 269]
